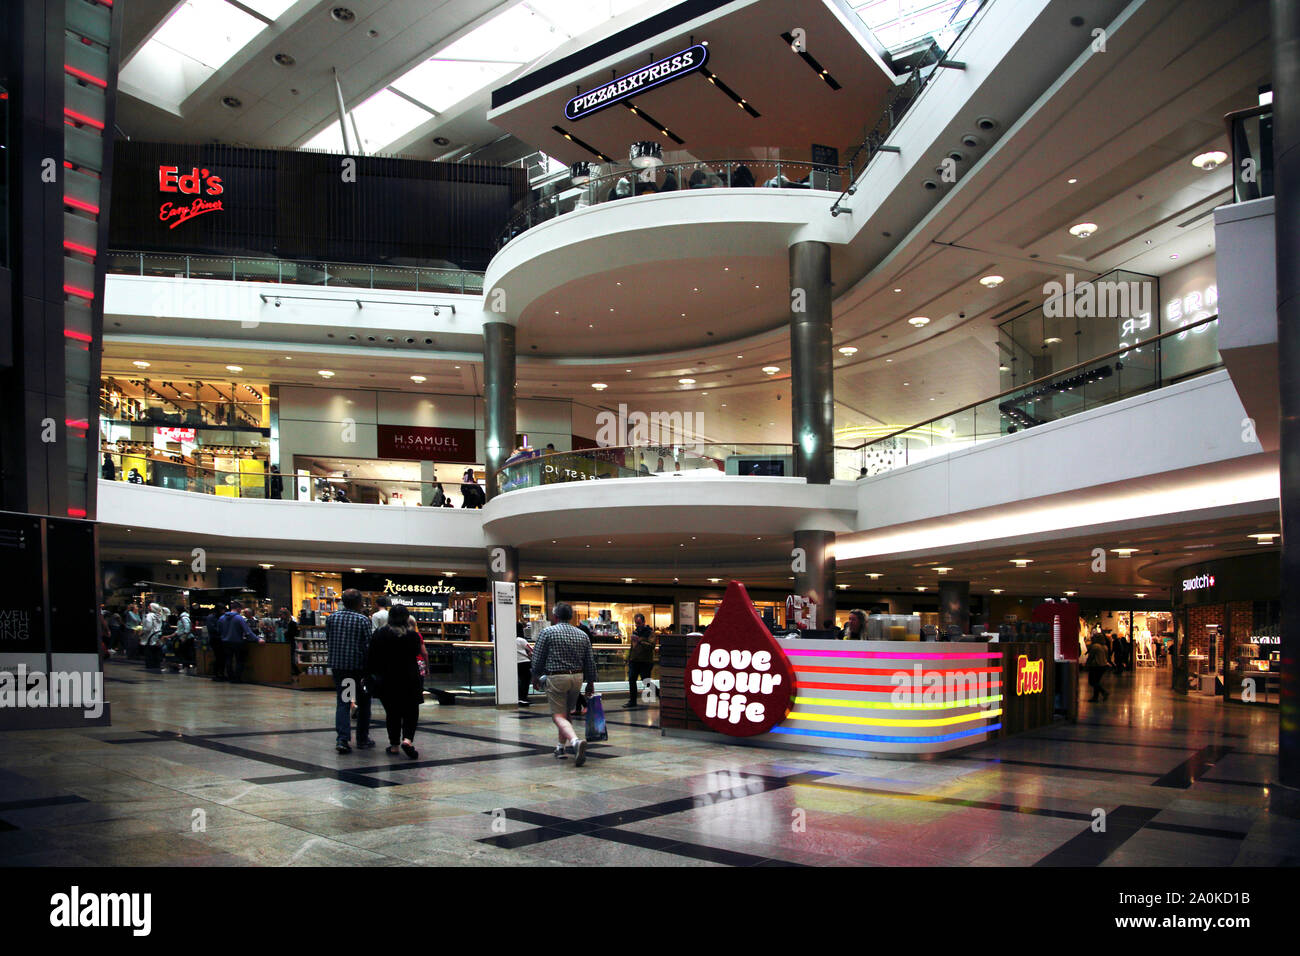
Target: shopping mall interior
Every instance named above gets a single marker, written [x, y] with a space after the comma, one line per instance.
[954, 332]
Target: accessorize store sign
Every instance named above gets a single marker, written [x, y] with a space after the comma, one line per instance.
[656, 74]
[197, 183]
[739, 680]
[419, 443]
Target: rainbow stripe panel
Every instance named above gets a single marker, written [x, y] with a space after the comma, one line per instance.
[892, 696]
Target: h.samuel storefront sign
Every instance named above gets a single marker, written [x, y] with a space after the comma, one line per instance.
[638, 81]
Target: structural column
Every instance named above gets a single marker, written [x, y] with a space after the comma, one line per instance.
[499, 398]
[812, 387]
[814, 571]
[1286, 179]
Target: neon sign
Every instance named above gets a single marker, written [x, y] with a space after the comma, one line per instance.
[1200, 582]
[197, 182]
[1029, 676]
[656, 74]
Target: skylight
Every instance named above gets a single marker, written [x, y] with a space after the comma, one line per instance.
[898, 24]
[194, 42]
[523, 34]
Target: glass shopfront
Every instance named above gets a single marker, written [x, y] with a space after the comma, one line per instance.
[1227, 624]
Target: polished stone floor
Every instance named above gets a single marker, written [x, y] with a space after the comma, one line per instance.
[200, 773]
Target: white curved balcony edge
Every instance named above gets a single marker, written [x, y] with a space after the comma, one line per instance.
[737, 505]
[654, 228]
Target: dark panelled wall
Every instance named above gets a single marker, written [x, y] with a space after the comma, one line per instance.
[297, 205]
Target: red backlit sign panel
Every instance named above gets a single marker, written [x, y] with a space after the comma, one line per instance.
[197, 183]
[418, 443]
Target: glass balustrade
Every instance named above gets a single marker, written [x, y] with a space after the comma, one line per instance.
[1176, 355]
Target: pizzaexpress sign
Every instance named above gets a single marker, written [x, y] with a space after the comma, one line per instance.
[638, 81]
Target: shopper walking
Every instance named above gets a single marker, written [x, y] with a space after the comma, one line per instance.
[393, 673]
[347, 639]
[276, 488]
[1097, 662]
[151, 637]
[439, 498]
[236, 635]
[563, 656]
[523, 665]
[640, 657]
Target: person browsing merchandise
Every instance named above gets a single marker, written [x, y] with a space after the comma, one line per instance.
[563, 656]
[640, 658]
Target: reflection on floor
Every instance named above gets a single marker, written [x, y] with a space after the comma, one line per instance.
[202, 773]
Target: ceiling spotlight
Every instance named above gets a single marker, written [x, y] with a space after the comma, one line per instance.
[842, 587]
[539, 577]
[234, 368]
[266, 566]
[1083, 230]
[1124, 552]
[714, 580]
[417, 379]
[358, 570]
[920, 587]
[991, 282]
[941, 570]
[686, 381]
[1070, 593]
[1022, 562]
[898, 290]
[628, 580]
[599, 386]
[173, 561]
[1264, 537]
[873, 574]
[771, 369]
[1004, 368]
[139, 364]
[1211, 160]
[848, 350]
[995, 590]
[1140, 594]
[325, 373]
[920, 321]
[1052, 340]
[1072, 181]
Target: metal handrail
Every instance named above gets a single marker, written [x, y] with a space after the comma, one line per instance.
[456, 277]
[1079, 366]
[723, 169]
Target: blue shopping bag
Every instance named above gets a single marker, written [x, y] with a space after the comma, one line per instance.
[596, 729]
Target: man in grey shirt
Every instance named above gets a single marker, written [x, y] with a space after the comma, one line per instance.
[563, 656]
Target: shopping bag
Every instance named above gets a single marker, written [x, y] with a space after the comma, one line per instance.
[596, 729]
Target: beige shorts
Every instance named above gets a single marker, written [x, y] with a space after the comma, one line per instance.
[562, 692]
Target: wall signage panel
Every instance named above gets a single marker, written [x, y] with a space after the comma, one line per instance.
[419, 443]
[637, 82]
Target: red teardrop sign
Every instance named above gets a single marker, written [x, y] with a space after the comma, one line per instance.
[739, 681]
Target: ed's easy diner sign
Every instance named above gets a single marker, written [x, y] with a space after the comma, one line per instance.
[197, 183]
[638, 81]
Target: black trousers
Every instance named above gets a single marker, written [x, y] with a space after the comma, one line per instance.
[236, 658]
[637, 670]
[525, 669]
[218, 658]
[401, 712]
[1095, 674]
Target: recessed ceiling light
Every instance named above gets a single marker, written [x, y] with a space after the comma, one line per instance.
[599, 386]
[714, 580]
[1069, 593]
[173, 561]
[907, 383]
[628, 580]
[139, 364]
[898, 290]
[358, 570]
[1264, 537]
[848, 350]
[686, 381]
[1052, 340]
[771, 369]
[941, 570]
[920, 321]
[1124, 552]
[1004, 368]
[1022, 562]
[1211, 160]
[418, 379]
[1141, 594]
[1072, 181]
[888, 360]
[873, 574]
[920, 587]
[539, 577]
[267, 566]
[991, 282]
[325, 373]
[842, 587]
[1173, 255]
[1083, 230]
[234, 368]
[995, 590]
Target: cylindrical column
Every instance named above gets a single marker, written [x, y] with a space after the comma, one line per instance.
[499, 398]
[954, 606]
[812, 387]
[1286, 179]
[814, 571]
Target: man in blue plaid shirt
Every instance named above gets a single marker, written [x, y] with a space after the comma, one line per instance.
[563, 655]
[347, 636]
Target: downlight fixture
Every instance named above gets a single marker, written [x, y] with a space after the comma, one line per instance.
[1083, 230]
[991, 282]
[919, 321]
[1210, 161]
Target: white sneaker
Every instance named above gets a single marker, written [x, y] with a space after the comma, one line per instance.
[559, 752]
[579, 752]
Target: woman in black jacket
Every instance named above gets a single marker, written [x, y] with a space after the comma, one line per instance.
[394, 667]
